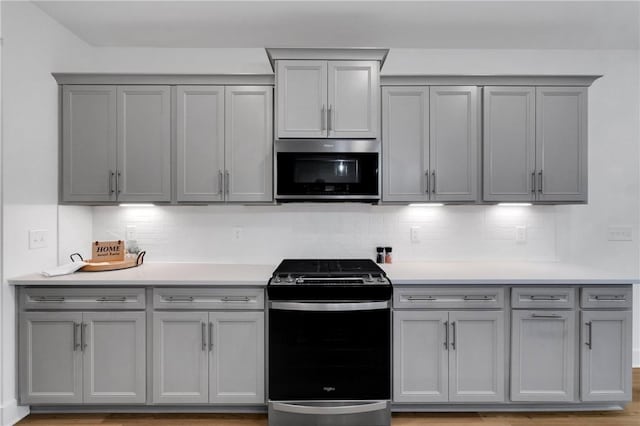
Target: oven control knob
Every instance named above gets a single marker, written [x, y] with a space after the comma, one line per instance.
[289, 278]
[381, 279]
[368, 278]
[277, 279]
[299, 280]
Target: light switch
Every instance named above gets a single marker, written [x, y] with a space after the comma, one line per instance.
[38, 238]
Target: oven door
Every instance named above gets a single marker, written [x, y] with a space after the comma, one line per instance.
[329, 351]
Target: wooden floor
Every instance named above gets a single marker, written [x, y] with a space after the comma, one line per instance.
[629, 417]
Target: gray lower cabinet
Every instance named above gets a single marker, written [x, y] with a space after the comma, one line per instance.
[208, 357]
[455, 356]
[543, 356]
[605, 356]
[82, 357]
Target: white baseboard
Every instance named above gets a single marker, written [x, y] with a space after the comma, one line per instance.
[636, 358]
[11, 412]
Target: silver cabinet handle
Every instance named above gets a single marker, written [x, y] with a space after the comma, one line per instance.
[334, 307]
[603, 297]
[428, 186]
[83, 332]
[112, 299]
[111, 175]
[323, 124]
[453, 335]
[49, 299]
[478, 298]
[226, 182]
[220, 179]
[546, 316]
[446, 335]
[533, 182]
[210, 336]
[544, 297]
[76, 345]
[540, 188]
[204, 336]
[178, 298]
[331, 410]
[588, 343]
[236, 299]
[433, 182]
[118, 175]
[420, 298]
[329, 118]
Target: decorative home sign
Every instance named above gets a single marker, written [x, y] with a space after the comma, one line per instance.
[107, 251]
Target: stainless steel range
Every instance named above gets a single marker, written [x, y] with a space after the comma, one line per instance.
[329, 343]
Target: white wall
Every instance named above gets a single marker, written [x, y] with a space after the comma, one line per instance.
[33, 46]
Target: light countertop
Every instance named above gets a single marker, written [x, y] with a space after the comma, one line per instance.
[405, 273]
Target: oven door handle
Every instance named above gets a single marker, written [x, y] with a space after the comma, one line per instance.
[334, 307]
[344, 409]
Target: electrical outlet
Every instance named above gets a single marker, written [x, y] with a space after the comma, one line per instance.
[38, 238]
[620, 233]
[237, 233]
[521, 234]
[415, 234]
[130, 233]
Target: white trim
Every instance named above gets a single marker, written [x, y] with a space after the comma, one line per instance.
[635, 361]
[11, 413]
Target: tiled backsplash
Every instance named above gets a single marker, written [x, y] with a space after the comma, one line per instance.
[266, 234]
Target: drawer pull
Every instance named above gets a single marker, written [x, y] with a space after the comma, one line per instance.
[178, 298]
[420, 298]
[545, 316]
[236, 299]
[112, 299]
[619, 297]
[48, 299]
[545, 298]
[479, 298]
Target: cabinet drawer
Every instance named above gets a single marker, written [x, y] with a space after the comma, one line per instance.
[448, 298]
[543, 297]
[63, 298]
[606, 297]
[208, 298]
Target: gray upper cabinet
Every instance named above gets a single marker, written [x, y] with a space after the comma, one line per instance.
[405, 143]
[200, 143]
[543, 356]
[249, 143]
[88, 143]
[454, 135]
[335, 99]
[561, 143]
[180, 358]
[50, 358]
[430, 143]
[116, 143]
[114, 358]
[509, 144]
[535, 144]
[606, 356]
[144, 143]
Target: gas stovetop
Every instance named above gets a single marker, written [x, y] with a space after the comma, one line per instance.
[328, 272]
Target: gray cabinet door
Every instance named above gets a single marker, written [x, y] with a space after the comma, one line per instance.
[354, 99]
[50, 358]
[453, 143]
[543, 356]
[561, 143]
[509, 144]
[476, 356]
[405, 144]
[144, 143]
[420, 356]
[301, 99]
[180, 358]
[88, 143]
[114, 368]
[249, 143]
[236, 372]
[200, 143]
[606, 356]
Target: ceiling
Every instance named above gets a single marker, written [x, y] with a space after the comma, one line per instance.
[400, 24]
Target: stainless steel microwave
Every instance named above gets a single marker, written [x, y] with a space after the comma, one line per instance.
[327, 170]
